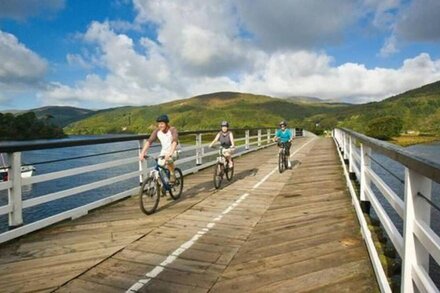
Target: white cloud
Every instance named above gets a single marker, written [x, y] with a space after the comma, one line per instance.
[22, 9]
[201, 47]
[390, 47]
[133, 78]
[312, 74]
[19, 65]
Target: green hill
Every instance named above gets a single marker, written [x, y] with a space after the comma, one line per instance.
[419, 110]
[204, 112]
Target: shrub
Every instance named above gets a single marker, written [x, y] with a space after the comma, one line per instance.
[384, 127]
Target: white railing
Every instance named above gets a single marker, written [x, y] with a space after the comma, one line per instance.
[16, 206]
[418, 241]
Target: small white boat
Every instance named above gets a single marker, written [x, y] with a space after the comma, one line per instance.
[26, 171]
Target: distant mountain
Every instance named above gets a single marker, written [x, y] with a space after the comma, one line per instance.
[305, 100]
[58, 115]
[203, 112]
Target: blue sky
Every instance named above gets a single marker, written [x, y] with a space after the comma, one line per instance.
[99, 54]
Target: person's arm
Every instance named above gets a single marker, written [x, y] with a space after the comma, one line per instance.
[231, 137]
[175, 136]
[275, 138]
[215, 140]
[147, 145]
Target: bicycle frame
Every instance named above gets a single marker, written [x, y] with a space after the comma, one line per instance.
[156, 174]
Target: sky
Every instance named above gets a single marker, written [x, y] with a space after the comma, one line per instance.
[108, 53]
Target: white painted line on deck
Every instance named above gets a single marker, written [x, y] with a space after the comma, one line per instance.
[182, 248]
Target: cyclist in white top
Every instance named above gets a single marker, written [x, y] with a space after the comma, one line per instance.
[169, 139]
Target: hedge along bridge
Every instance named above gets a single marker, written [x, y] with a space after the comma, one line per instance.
[294, 232]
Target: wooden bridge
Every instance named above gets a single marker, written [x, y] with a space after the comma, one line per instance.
[292, 232]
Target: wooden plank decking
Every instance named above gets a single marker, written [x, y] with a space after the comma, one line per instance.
[293, 232]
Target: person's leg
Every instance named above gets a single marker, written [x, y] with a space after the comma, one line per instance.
[289, 164]
[229, 159]
[171, 167]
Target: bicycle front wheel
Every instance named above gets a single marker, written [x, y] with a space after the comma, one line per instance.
[229, 172]
[177, 188]
[149, 196]
[218, 175]
[281, 162]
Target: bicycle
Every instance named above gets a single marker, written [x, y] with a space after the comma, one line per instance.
[222, 168]
[283, 163]
[156, 183]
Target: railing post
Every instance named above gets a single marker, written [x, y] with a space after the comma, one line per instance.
[259, 137]
[246, 139]
[346, 149]
[365, 181]
[14, 193]
[268, 136]
[199, 149]
[350, 157]
[416, 208]
[294, 132]
[143, 165]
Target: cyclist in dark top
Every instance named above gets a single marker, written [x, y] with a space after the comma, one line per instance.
[284, 136]
[226, 139]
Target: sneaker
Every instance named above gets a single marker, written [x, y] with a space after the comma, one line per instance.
[289, 165]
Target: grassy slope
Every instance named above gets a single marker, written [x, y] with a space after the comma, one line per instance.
[418, 108]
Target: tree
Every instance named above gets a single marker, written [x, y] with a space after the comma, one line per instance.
[384, 127]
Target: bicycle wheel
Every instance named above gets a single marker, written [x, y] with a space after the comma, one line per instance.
[281, 162]
[218, 175]
[177, 188]
[149, 196]
[229, 173]
[286, 162]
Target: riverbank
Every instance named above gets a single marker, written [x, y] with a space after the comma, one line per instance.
[408, 140]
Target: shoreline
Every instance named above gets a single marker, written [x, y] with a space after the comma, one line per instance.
[409, 140]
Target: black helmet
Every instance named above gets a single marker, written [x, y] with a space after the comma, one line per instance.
[163, 118]
[225, 124]
[283, 123]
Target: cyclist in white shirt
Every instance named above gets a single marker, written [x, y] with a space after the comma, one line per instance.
[168, 138]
